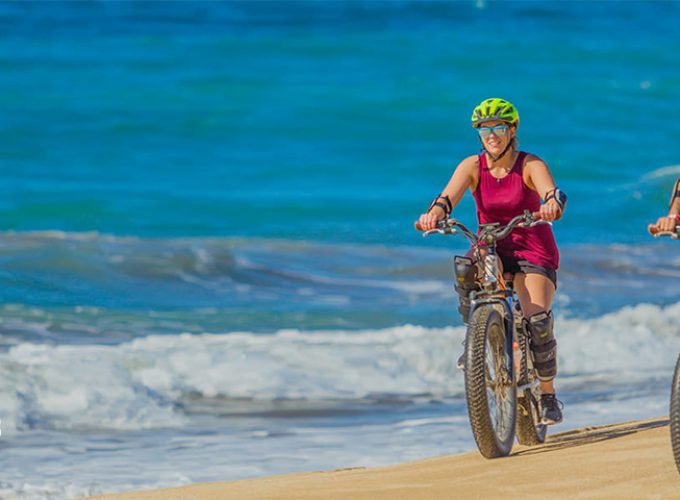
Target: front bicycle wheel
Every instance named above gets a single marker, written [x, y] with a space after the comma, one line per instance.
[675, 415]
[489, 386]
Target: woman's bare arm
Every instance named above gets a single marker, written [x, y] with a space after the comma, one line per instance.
[537, 176]
[463, 177]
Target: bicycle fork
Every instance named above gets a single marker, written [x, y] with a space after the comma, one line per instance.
[502, 305]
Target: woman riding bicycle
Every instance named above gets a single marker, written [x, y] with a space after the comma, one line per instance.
[504, 183]
[669, 223]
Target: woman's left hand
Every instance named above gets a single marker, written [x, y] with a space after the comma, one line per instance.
[550, 211]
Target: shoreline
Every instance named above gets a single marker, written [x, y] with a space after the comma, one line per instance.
[625, 460]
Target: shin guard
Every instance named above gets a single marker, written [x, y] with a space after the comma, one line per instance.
[543, 345]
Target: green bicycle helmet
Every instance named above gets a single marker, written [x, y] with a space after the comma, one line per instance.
[495, 109]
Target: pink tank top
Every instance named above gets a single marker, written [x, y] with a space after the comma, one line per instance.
[499, 200]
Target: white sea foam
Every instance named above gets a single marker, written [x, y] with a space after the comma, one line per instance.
[671, 170]
[629, 342]
[138, 384]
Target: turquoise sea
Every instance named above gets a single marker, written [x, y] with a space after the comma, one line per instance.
[207, 259]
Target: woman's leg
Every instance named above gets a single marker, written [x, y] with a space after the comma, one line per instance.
[535, 293]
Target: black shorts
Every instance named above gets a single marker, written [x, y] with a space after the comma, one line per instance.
[523, 266]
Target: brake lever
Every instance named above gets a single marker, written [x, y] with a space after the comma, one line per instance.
[445, 230]
[535, 223]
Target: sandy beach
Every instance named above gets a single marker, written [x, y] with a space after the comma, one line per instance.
[626, 460]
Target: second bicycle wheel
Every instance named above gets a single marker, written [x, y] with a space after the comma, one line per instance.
[489, 387]
[674, 416]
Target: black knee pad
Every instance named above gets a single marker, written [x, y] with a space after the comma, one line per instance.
[543, 344]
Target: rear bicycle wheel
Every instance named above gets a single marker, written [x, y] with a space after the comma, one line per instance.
[489, 385]
[530, 431]
[675, 415]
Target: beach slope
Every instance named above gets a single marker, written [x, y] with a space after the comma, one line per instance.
[628, 460]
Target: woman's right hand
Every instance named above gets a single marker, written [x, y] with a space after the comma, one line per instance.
[429, 220]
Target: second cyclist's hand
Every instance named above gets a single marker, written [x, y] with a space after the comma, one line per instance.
[666, 224]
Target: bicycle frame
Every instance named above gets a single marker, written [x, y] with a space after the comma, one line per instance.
[493, 286]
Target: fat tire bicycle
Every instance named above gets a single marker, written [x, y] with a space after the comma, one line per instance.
[674, 409]
[501, 386]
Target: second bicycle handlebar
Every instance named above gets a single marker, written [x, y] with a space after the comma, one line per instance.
[654, 231]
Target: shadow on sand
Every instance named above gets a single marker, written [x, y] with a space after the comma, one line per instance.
[589, 435]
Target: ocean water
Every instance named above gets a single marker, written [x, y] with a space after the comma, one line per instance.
[207, 261]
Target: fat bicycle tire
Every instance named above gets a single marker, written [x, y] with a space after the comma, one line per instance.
[489, 386]
[675, 415]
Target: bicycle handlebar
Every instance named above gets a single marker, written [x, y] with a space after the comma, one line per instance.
[654, 231]
[448, 226]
